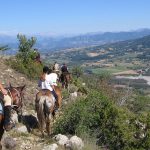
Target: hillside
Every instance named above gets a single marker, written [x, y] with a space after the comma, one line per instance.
[130, 51]
[8, 75]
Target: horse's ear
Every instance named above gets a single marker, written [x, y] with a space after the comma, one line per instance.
[22, 88]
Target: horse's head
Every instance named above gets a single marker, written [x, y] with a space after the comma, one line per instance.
[16, 94]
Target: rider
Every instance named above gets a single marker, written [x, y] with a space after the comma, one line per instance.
[49, 81]
[7, 109]
[56, 67]
[64, 68]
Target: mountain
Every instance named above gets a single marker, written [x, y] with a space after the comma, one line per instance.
[139, 49]
[51, 43]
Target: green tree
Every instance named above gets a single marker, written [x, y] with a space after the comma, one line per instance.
[26, 51]
[25, 58]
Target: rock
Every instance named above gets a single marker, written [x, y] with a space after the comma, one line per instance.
[9, 70]
[51, 147]
[73, 95]
[68, 145]
[74, 143]
[9, 143]
[22, 129]
[14, 117]
[61, 139]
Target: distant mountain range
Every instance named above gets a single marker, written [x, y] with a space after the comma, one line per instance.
[139, 49]
[47, 43]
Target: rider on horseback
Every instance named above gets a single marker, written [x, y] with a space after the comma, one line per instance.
[7, 109]
[64, 71]
[49, 81]
[64, 68]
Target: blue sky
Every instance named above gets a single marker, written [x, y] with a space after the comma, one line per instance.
[72, 16]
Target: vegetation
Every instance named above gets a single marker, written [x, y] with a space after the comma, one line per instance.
[113, 126]
[99, 115]
[77, 71]
[24, 61]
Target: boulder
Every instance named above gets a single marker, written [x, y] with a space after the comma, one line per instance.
[61, 139]
[74, 143]
[22, 129]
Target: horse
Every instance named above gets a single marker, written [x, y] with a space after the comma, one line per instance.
[65, 79]
[16, 94]
[45, 108]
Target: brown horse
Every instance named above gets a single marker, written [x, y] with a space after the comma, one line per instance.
[45, 105]
[16, 93]
[65, 79]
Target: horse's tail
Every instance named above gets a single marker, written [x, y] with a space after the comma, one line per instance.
[40, 112]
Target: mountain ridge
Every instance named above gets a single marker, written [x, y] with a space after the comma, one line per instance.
[49, 43]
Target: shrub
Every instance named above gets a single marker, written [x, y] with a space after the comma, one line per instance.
[115, 127]
[32, 69]
[24, 61]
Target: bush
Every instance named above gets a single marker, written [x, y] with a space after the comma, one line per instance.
[139, 104]
[31, 69]
[115, 127]
[24, 60]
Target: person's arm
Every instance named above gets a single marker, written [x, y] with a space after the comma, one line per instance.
[4, 91]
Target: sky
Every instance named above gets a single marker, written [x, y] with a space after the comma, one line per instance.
[62, 17]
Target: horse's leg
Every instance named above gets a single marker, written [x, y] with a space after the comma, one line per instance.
[40, 122]
[68, 87]
[59, 100]
[48, 129]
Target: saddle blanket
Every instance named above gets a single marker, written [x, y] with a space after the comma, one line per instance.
[1, 108]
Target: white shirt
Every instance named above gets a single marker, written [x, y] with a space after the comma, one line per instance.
[50, 79]
[56, 67]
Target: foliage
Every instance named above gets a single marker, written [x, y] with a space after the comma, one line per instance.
[24, 61]
[78, 82]
[139, 104]
[115, 127]
[26, 53]
[77, 71]
[32, 69]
